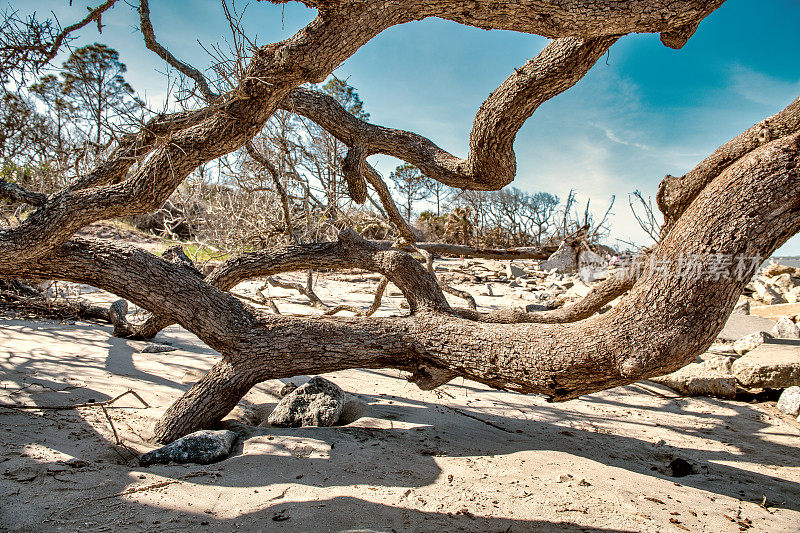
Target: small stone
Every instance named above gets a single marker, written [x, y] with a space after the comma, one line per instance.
[584, 483]
[563, 478]
[191, 376]
[513, 272]
[742, 307]
[201, 447]
[789, 401]
[316, 403]
[786, 329]
[680, 468]
[659, 442]
[532, 308]
[157, 348]
[751, 342]
[286, 389]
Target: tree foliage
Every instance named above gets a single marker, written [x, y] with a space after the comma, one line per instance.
[94, 84]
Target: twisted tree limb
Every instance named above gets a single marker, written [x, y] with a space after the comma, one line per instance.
[152, 44]
[676, 193]
[661, 324]
[15, 193]
[491, 163]
[94, 15]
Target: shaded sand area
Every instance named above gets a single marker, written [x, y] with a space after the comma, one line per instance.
[461, 458]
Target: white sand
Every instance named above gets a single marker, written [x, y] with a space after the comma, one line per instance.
[461, 458]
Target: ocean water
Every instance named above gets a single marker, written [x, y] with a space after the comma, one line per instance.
[790, 261]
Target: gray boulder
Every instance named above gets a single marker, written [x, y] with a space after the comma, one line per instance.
[751, 342]
[789, 401]
[157, 348]
[742, 308]
[709, 378]
[564, 259]
[513, 272]
[202, 447]
[767, 294]
[316, 403]
[784, 283]
[786, 329]
[773, 365]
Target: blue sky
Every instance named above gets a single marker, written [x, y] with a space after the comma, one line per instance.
[642, 112]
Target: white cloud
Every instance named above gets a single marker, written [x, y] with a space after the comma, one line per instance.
[762, 88]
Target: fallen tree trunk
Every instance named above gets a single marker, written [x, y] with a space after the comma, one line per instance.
[659, 326]
[460, 250]
[745, 206]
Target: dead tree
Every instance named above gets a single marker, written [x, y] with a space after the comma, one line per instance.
[742, 202]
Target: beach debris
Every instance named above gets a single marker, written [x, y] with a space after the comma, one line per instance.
[286, 389]
[793, 296]
[742, 307]
[784, 283]
[680, 468]
[766, 293]
[201, 447]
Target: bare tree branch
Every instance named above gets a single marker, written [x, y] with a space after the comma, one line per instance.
[184, 68]
[491, 163]
[279, 188]
[94, 15]
[15, 193]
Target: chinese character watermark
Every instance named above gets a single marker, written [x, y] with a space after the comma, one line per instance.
[687, 267]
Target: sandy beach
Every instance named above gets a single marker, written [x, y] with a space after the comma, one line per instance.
[459, 458]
